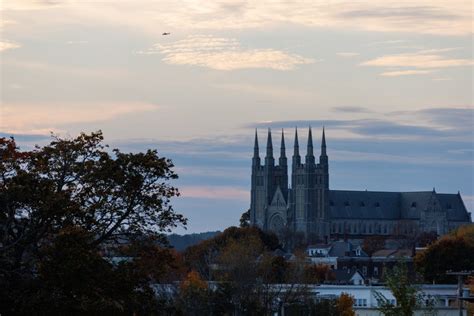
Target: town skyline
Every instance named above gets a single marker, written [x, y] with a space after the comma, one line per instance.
[391, 82]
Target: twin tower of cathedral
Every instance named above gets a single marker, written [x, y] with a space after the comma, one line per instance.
[303, 206]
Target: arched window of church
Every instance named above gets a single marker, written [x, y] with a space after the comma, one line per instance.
[331, 203]
[362, 204]
[346, 203]
[340, 227]
[413, 205]
[377, 204]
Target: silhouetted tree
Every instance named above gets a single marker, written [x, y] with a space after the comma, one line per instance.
[75, 185]
[451, 252]
[245, 219]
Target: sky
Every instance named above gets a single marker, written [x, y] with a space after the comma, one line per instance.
[391, 81]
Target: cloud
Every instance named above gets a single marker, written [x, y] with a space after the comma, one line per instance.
[35, 119]
[215, 192]
[398, 73]
[8, 45]
[347, 54]
[436, 17]
[351, 109]
[77, 42]
[434, 124]
[224, 54]
[442, 79]
[420, 59]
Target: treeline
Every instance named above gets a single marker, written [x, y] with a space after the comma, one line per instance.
[83, 231]
[181, 242]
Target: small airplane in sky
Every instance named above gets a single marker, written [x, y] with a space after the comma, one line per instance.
[166, 33]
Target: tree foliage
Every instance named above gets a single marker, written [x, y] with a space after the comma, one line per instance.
[373, 243]
[407, 294]
[453, 252]
[245, 219]
[59, 204]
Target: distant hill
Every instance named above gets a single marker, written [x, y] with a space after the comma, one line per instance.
[181, 242]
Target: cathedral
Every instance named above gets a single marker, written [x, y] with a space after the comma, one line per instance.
[310, 207]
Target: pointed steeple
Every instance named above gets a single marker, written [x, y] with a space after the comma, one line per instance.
[296, 146]
[323, 158]
[323, 144]
[256, 156]
[269, 161]
[296, 152]
[282, 146]
[309, 150]
[282, 160]
[269, 144]
[255, 146]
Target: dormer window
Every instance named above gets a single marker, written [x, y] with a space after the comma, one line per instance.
[377, 204]
[362, 204]
[331, 203]
[346, 203]
[413, 205]
[449, 206]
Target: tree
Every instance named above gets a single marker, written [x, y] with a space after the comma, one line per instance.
[318, 273]
[451, 252]
[194, 295]
[76, 184]
[245, 219]
[203, 255]
[373, 243]
[407, 295]
[344, 305]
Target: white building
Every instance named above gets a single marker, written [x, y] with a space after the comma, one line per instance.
[366, 304]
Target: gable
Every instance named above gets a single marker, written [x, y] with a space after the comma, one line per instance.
[278, 201]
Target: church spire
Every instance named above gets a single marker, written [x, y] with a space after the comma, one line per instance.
[255, 146]
[269, 144]
[282, 147]
[256, 156]
[309, 151]
[323, 144]
[269, 157]
[282, 160]
[296, 152]
[323, 158]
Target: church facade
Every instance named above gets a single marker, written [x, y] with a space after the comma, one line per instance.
[308, 206]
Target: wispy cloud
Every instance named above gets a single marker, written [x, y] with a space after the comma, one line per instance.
[347, 54]
[437, 17]
[351, 109]
[8, 45]
[34, 119]
[215, 192]
[224, 54]
[420, 59]
[398, 73]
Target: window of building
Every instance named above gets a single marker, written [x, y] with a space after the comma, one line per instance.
[413, 204]
[449, 206]
[331, 203]
[376, 271]
[364, 270]
[377, 204]
[346, 203]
